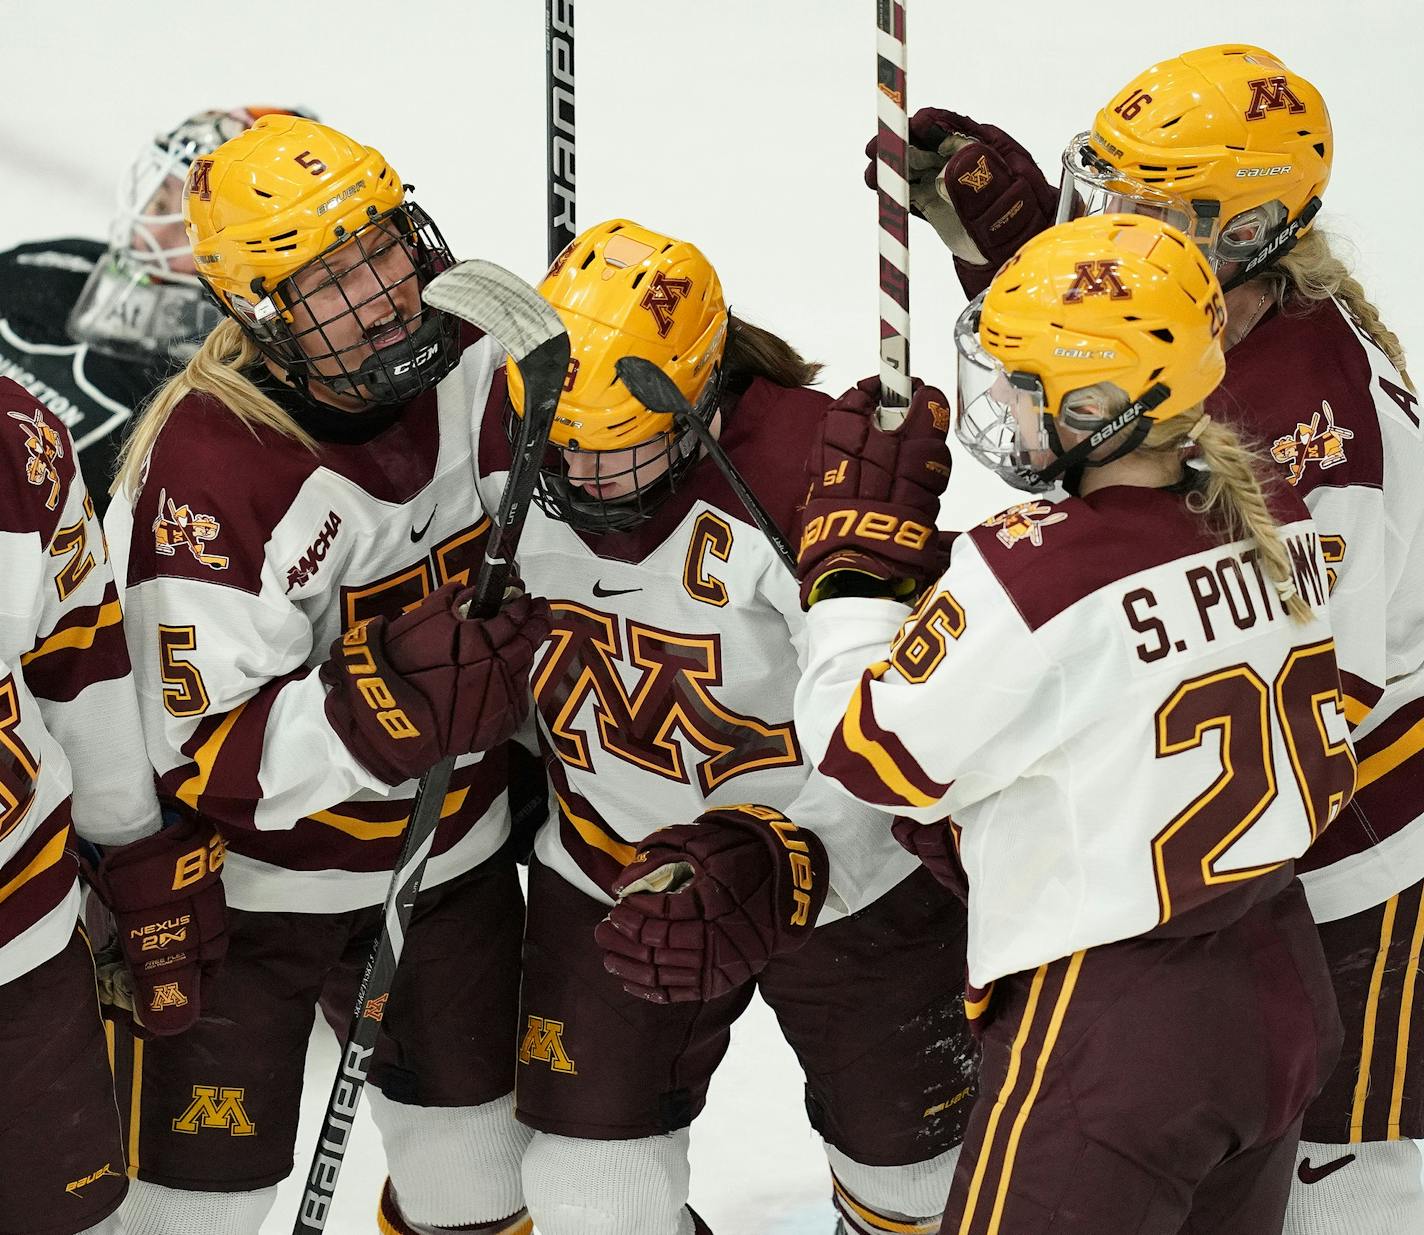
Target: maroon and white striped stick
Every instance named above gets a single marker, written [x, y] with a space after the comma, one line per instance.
[892, 178]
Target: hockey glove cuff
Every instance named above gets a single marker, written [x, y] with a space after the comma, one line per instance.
[874, 497]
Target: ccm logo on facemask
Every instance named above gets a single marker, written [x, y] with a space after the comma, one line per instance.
[870, 524]
[421, 357]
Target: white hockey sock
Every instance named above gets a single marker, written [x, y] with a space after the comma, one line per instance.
[872, 1199]
[1373, 1188]
[635, 1187]
[150, 1209]
[452, 1165]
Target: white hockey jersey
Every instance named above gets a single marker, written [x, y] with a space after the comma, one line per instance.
[666, 686]
[1114, 710]
[1345, 430]
[71, 751]
[244, 556]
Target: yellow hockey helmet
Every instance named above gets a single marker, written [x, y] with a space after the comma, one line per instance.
[1100, 326]
[1225, 143]
[277, 201]
[623, 290]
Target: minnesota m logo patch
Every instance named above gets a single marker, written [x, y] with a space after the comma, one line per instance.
[1096, 279]
[212, 1107]
[544, 1041]
[1272, 94]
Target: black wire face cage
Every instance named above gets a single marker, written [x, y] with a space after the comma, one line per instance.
[356, 323]
[645, 476]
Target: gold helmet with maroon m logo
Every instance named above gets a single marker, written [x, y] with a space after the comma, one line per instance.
[291, 214]
[622, 290]
[1225, 143]
[1101, 327]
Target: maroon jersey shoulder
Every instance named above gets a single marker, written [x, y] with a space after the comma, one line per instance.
[1049, 556]
[214, 488]
[768, 439]
[1299, 386]
[37, 457]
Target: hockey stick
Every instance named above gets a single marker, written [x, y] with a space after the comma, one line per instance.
[893, 190]
[505, 307]
[656, 391]
[559, 122]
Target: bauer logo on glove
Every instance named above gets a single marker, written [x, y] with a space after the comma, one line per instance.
[706, 905]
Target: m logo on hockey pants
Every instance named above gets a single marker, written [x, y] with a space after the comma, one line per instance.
[544, 1041]
[212, 1107]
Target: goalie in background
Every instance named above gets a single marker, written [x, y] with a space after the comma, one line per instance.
[93, 329]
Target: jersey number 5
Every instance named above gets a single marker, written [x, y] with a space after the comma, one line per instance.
[1237, 704]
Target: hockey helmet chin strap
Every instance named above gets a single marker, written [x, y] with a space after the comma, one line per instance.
[1070, 464]
[1276, 248]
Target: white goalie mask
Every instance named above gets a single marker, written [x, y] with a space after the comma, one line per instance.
[143, 302]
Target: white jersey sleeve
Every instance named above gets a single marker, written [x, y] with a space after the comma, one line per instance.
[1114, 711]
[71, 750]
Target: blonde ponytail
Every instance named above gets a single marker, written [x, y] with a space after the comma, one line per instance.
[1313, 272]
[216, 370]
[1234, 495]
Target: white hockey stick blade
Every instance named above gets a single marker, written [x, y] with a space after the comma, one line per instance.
[498, 301]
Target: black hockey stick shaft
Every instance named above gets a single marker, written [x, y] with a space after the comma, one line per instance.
[559, 122]
[656, 391]
[507, 308]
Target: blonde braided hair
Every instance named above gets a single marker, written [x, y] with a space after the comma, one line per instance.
[1233, 497]
[1313, 272]
[217, 370]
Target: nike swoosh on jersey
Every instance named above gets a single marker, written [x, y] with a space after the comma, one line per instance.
[1314, 1174]
[600, 591]
[416, 536]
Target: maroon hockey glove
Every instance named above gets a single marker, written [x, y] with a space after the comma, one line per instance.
[404, 693]
[170, 923]
[748, 885]
[875, 496]
[933, 844]
[979, 189]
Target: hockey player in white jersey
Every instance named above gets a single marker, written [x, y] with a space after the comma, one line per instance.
[1236, 147]
[72, 765]
[664, 698]
[296, 515]
[1127, 704]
